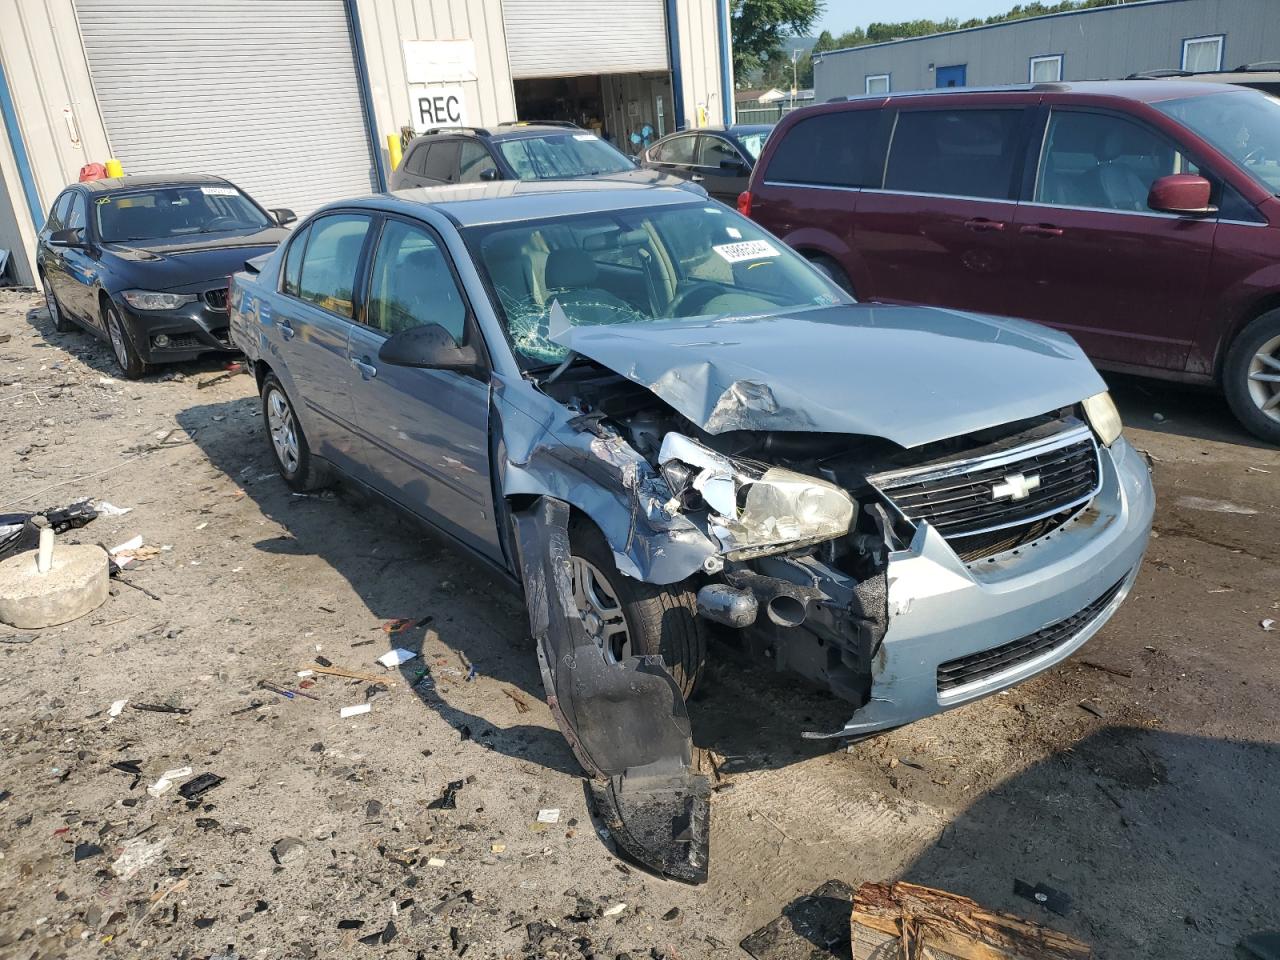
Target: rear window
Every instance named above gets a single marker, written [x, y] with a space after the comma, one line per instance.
[831, 149]
[442, 161]
[963, 153]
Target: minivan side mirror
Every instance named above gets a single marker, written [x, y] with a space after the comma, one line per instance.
[1184, 193]
[66, 238]
[430, 347]
[283, 216]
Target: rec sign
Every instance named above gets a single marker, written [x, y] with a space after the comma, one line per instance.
[438, 107]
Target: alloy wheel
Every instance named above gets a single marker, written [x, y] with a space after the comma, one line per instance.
[284, 431]
[1264, 378]
[51, 304]
[602, 616]
[116, 332]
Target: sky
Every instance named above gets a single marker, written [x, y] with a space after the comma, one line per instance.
[843, 15]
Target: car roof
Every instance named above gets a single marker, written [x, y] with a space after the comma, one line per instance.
[1146, 91]
[143, 181]
[509, 201]
[523, 131]
[736, 128]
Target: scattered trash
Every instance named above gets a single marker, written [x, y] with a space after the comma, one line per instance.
[435, 862]
[131, 553]
[393, 658]
[288, 692]
[671, 914]
[200, 785]
[497, 848]
[613, 911]
[375, 690]
[106, 509]
[324, 661]
[287, 850]
[1046, 896]
[549, 816]
[385, 935]
[161, 708]
[353, 675]
[165, 783]
[350, 924]
[448, 799]
[137, 854]
[226, 375]
[522, 705]
[354, 711]
[399, 625]
[116, 708]
[84, 851]
[1268, 625]
[816, 925]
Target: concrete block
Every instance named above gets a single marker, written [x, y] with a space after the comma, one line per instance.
[75, 583]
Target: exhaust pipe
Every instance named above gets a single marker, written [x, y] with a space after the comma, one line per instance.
[786, 610]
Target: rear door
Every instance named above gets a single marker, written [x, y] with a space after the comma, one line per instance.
[675, 156]
[424, 434]
[720, 168]
[1126, 281]
[312, 322]
[940, 230]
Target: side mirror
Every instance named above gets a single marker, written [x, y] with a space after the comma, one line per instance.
[490, 173]
[1184, 193]
[284, 216]
[66, 238]
[734, 168]
[431, 347]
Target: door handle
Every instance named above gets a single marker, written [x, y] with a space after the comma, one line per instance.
[286, 330]
[697, 178]
[1041, 230]
[983, 225]
[367, 370]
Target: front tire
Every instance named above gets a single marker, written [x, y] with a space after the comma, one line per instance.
[61, 322]
[627, 617]
[1251, 377]
[288, 443]
[127, 358]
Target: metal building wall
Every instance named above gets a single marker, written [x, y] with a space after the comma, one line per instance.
[1105, 42]
[700, 62]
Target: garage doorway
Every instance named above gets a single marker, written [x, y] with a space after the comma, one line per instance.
[630, 110]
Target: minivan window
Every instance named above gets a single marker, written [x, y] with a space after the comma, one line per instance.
[1102, 161]
[831, 149]
[1244, 125]
[962, 153]
[330, 262]
[442, 162]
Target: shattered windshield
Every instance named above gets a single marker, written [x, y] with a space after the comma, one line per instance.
[1244, 125]
[632, 266]
[563, 156]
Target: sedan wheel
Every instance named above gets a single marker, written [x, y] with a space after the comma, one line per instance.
[284, 431]
[601, 612]
[60, 321]
[131, 365]
[1264, 379]
[116, 332]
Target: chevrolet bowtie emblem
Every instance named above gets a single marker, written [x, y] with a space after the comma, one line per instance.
[1015, 487]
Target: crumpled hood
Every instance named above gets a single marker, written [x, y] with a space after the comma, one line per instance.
[912, 375]
[165, 264]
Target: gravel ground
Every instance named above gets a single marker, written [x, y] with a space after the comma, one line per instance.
[1153, 806]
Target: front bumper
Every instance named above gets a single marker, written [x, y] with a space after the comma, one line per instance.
[193, 329]
[1029, 609]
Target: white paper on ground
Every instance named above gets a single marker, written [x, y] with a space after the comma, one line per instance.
[355, 711]
[110, 509]
[549, 816]
[166, 780]
[393, 658]
[116, 707]
[128, 545]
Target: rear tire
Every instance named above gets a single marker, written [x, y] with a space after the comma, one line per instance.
[1251, 377]
[288, 443]
[121, 340]
[660, 620]
[833, 272]
[61, 322]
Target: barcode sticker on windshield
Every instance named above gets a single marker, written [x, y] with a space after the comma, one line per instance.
[218, 191]
[746, 250]
[585, 136]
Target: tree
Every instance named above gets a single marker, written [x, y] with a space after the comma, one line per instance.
[759, 28]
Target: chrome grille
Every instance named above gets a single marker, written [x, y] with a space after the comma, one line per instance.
[217, 298]
[1011, 491]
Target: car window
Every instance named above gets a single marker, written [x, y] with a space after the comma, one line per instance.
[831, 149]
[678, 150]
[76, 215]
[673, 262]
[416, 162]
[411, 284]
[963, 153]
[1243, 124]
[473, 160]
[563, 155]
[164, 212]
[442, 162]
[753, 143]
[58, 213]
[328, 277]
[293, 263]
[713, 150]
[1102, 161]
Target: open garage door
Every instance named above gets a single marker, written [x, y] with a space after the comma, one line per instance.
[262, 92]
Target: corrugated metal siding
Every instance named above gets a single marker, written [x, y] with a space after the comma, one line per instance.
[262, 92]
[560, 38]
[700, 62]
[1106, 42]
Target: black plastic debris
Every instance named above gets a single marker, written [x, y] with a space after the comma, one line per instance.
[350, 924]
[198, 786]
[324, 661]
[373, 809]
[1046, 896]
[671, 914]
[160, 708]
[202, 923]
[448, 799]
[816, 925]
[207, 823]
[385, 935]
[86, 850]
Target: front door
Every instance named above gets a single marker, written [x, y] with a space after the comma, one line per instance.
[424, 434]
[78, 293]
[940, 232]
[952, 76]
[1126, 281]
[723, 169]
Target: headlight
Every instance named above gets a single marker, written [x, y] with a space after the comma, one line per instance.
[152, 300]
[1103, 416]
[756, 510]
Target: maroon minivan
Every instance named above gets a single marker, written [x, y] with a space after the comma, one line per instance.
[1141, 216]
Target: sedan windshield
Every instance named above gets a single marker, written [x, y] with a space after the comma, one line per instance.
[563, 156]
[753, 143]
[635, 266]
[166, 212]
[1244, 125]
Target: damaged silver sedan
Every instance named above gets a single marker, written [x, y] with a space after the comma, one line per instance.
[660, 421]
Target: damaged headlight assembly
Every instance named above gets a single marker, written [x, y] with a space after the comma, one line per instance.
[1103, 416]
[753, 509]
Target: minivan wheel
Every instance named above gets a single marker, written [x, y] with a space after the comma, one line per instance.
[61, 322]
[1251, 377]
[629, 618]
[833, 271]
[288, 443]
[127, 358]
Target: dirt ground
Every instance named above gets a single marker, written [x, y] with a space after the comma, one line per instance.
[1154, 807]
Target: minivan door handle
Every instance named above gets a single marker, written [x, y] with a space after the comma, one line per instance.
[367, 370]
[1041, 230]
[983, 225]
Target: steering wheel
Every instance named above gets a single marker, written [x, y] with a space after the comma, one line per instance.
[221, 221]
[1254, 155]
[688, 302]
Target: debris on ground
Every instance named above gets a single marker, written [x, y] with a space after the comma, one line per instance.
[549, 816]
[354, 711]
[393, 658]
[808, 925]
[1268, 625]
[199, 786]
[137, 854]
[448, 799]
[522, 705]
[166, 781]
[1046, 896]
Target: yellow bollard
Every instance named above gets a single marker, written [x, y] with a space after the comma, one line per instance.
[114, 168]
[393, 150]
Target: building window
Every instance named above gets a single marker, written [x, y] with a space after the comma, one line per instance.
[1202, 54]
[1046, 69]
[877, 83]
